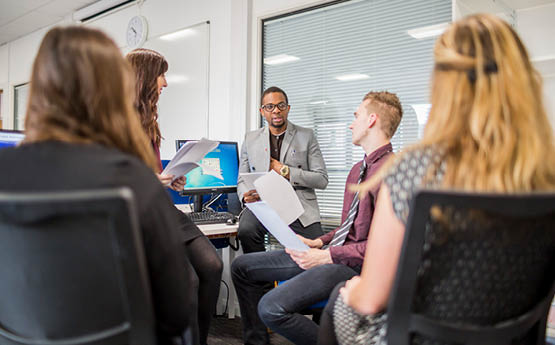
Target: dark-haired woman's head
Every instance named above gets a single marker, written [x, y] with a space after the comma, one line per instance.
[82, 91]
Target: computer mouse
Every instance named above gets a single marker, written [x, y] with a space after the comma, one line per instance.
[231, 221]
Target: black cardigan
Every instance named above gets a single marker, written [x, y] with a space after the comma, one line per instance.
[49, 166]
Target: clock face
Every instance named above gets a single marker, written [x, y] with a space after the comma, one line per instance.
[136, 31]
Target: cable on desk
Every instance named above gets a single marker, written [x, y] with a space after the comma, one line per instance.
[212, 200]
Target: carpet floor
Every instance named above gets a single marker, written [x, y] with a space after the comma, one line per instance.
[224, 331]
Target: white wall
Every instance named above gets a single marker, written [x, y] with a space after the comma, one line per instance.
[16, 62]
[4, 81]
[163, 16]
[537, 29]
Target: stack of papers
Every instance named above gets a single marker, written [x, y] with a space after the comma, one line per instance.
[278, 193]
[279, 207]
[188, 156]
[275, 225]
[249, 178]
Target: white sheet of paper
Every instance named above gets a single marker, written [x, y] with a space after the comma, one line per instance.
[188, 156]
[280, 195]
[275, 225]
[180, 169]
[249, 178]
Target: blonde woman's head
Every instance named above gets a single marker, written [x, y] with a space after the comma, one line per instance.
[487, 109]
[487, 116]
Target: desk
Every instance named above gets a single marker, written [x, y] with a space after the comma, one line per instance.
[215, 231]
[220, 230]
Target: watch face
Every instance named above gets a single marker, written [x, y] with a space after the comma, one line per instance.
[136, 31]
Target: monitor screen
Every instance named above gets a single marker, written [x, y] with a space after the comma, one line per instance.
[225, 157]
[10, 138]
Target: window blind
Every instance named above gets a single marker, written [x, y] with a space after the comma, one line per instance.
[328, 58]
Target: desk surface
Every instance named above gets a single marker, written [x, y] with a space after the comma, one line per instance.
[218, 230]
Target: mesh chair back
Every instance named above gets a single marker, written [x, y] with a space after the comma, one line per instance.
[475, 269]
[72, 270]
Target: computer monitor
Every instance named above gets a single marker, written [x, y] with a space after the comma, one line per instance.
[9, 138]
[225, 157]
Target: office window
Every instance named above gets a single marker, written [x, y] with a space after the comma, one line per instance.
[328, 57]
[21, 93]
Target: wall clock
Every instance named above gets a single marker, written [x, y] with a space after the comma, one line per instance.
[137, 31]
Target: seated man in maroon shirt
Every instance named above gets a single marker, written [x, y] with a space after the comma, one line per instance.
[332, 258]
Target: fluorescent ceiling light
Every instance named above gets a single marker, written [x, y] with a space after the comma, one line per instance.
[176, 78]
[428, 31]
[422, 111]
[174, 36]
[354, 76]
[280, 59]
[319, 102]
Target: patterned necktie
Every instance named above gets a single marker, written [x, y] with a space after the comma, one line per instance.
[341, 234]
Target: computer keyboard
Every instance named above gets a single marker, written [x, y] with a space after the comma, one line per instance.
[210, 217]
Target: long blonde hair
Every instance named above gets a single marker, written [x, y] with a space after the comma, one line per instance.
[82, 91]
[487, 114]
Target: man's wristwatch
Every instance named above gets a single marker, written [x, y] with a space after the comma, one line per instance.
[284, 170]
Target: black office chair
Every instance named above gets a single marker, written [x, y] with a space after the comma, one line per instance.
[72, 270]
[475, 269]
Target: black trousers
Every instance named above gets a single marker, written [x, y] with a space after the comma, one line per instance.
[206, 278]
[251, 232]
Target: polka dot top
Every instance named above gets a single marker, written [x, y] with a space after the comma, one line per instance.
[406, 176]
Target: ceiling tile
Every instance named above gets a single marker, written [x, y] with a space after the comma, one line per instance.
[19, 18]
[60, 8]
[10, 11]
[27, 24]
[521, 4]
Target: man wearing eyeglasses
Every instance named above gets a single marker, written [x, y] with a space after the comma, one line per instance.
[291, 151]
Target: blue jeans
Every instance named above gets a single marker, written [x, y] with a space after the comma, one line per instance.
[280, 308]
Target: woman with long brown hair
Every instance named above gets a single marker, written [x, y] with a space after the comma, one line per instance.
[150, 68]
[487, 132]
[150, 73]
[82, 132]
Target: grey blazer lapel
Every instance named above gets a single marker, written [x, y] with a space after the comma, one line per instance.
[289, 134]
[263, 143]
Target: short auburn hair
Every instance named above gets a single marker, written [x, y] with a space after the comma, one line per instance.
[389, 108]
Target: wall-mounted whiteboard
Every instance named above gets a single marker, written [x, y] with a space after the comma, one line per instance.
[183, 105]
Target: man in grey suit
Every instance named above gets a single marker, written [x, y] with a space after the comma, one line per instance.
[291, 151]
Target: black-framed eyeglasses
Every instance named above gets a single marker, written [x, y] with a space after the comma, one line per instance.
[270, 107]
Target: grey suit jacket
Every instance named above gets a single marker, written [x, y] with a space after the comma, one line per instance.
[301, 152]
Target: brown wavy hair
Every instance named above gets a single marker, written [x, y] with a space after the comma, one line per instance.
[81, 91]
[487, 116]
[148, 65]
